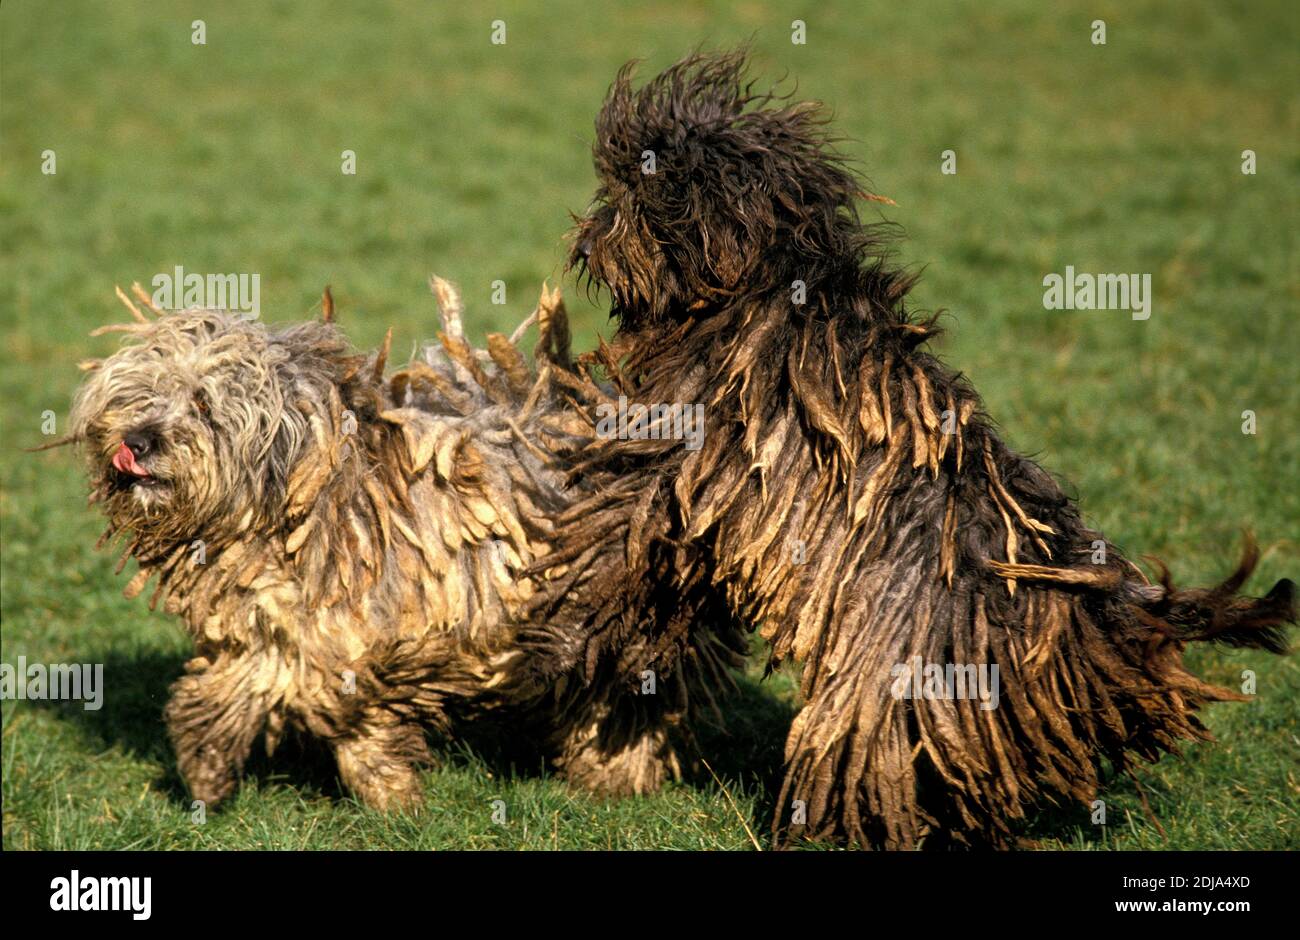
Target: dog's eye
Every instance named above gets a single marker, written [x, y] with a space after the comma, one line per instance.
[201, 403]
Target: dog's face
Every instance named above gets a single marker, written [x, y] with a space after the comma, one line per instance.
[707, 191]
[190, 430]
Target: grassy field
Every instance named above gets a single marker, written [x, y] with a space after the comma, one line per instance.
[1123, 157]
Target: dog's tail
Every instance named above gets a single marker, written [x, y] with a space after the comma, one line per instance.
[1219, 614]
[1222, 615]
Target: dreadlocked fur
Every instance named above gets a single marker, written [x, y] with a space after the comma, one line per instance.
[344, 548]
[851, 500]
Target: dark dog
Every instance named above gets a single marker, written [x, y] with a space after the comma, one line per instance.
[850, 501]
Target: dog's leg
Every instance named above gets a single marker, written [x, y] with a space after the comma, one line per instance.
[615, 741]
[214, 716]
[620, 734]
[377, 762]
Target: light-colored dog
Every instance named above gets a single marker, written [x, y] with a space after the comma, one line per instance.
[343, 547]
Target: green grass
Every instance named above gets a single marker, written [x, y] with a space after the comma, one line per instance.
[225, 157]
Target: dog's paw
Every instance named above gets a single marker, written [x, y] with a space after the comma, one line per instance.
[208, 774]
[636, 768]
[377, 778]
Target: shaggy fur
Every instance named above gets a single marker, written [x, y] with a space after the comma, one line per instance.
[343, 548]
[851, 501]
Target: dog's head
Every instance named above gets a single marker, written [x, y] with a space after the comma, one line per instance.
[709, 190]
[191, 429]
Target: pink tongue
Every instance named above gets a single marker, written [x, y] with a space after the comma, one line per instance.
[124, 460]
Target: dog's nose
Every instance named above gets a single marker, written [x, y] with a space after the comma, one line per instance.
[139, 443]
[584, 247]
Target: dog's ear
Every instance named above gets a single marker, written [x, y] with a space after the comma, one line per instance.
[312, 361]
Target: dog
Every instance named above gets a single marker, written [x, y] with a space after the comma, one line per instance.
[344, 548]
[851, 502]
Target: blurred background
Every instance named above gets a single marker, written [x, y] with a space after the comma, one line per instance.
[470, 156]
